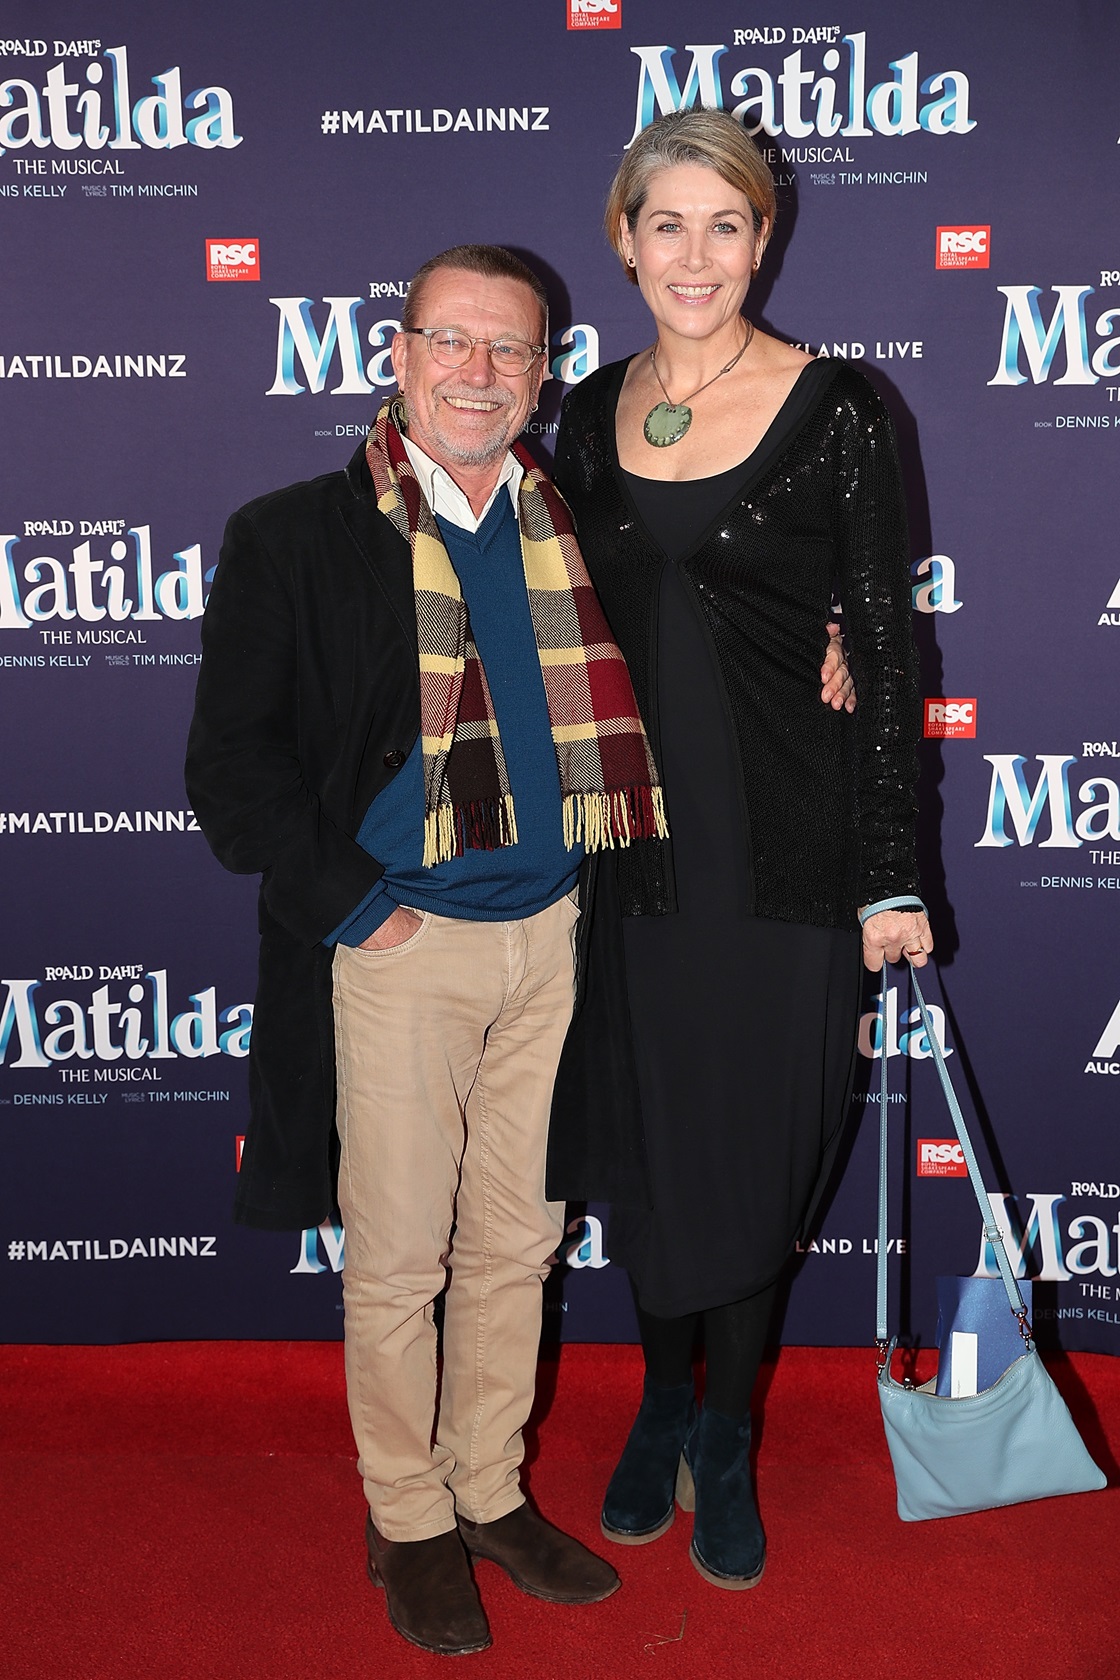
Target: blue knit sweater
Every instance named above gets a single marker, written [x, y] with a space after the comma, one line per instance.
[515, 881]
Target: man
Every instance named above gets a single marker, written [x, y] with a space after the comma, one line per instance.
[434, 868]
[412, 719]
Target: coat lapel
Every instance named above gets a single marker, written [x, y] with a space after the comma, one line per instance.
[384, 551]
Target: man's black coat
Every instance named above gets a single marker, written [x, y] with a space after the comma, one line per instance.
[308, 703]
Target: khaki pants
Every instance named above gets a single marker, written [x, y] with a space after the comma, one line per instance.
[447, 1048]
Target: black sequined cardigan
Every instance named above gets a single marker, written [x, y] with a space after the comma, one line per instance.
[829, 796]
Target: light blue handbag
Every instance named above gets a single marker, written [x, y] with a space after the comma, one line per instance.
[1011, 1442]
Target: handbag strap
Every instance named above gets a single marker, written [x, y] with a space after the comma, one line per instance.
[992, 1231]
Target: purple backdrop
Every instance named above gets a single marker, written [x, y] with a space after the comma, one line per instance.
[208, 228]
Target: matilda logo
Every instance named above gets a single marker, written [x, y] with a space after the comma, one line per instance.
[329, 1239]
[142, 1028]
[1027, 335]
[308, 356]
[40, 587]
[1111, 613]
[587, 1249]
[963, 247]
[594, 14]
[1012, 801]
[579, 354]
[900, 1034]
[935, 585]
[904, 102]
[233, 259]
[1039, 1248]
[1107, 1046]
[950, 720]
[67, 115]
[941, 1158]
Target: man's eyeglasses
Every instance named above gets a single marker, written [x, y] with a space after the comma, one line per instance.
[454, 349]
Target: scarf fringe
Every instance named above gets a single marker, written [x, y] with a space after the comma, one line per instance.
[482, 825]
[608, 819]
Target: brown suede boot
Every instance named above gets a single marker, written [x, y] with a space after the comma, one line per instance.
[540, 1559]
[431, 1598]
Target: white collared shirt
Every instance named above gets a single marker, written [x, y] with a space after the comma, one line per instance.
[444, 496]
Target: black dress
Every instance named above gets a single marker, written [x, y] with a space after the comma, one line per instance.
[744, 1028]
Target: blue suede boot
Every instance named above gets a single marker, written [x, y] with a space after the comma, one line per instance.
[638, 1506]
[728, 1545]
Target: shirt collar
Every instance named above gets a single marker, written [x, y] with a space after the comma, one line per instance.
[444, 496]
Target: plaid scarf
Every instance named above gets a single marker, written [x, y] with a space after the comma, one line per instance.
[609, 783]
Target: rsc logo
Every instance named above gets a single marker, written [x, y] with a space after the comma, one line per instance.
[233, 259]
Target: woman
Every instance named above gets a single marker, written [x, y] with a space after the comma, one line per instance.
[724, 485]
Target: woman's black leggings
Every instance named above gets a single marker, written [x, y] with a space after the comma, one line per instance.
[734, 1342]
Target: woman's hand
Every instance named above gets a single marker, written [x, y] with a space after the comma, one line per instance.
[839, 688]
[894, 935]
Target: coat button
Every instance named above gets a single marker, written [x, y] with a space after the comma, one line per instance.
[393, 760]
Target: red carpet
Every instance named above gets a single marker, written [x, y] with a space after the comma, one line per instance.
[192, 1512]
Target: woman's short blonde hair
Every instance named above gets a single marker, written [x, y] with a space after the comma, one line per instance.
[711, 138]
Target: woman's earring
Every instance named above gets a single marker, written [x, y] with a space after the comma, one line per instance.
[629, 262]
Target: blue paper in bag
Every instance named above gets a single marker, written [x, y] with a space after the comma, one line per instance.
[979, 1306]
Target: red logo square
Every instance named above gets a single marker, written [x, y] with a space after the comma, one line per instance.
[233, 259]
[941, 1158]
[963, 247]
[950, 720]
[594, 14]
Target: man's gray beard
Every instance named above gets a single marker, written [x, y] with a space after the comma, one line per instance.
[483, 454]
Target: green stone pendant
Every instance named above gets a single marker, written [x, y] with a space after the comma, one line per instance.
[666, 424]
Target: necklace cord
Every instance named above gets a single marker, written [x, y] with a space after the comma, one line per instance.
[742, 350]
